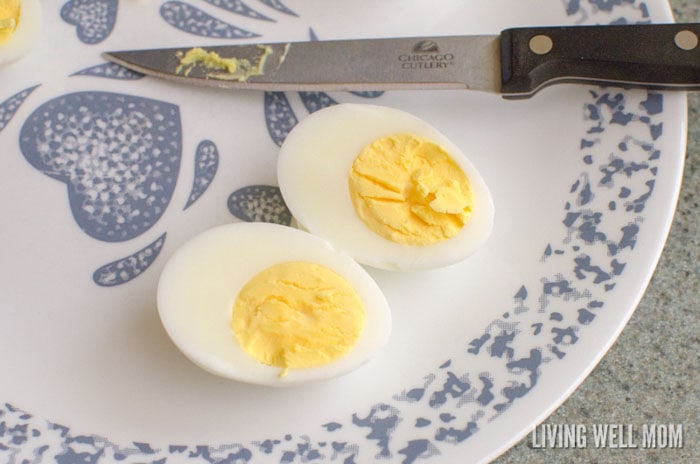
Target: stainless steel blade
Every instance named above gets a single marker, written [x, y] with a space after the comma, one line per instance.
[463, 62]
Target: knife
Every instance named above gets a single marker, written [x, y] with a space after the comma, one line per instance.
[515, 64]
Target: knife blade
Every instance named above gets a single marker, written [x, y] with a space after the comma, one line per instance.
[516, 63]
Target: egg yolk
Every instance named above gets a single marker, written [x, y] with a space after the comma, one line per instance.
[234, 69]
[297, 315]
[409, 190]
[9, 18]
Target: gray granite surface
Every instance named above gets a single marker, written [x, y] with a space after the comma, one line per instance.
[652, 373]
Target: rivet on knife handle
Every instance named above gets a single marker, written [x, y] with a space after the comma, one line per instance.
[653, 56]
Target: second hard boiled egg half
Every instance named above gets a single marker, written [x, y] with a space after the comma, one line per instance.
[385, 187]
[269, 304]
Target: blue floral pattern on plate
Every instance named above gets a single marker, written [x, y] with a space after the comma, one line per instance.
[279, 6]
[190, 19]
[238, 7]
[118, 155]
[94, 19]
[9, 107]
[120, 194]
[279, 116]
[259, 203]
[206, 163]
[125, 269]
[109, 71]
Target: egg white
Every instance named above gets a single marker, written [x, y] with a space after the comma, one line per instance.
[313, 168]
[25, 34]
[200, 282]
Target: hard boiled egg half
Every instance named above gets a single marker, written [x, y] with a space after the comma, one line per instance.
[385, 187]
[269, 304]
[20, 21]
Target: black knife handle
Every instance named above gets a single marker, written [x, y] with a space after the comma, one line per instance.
[653, 55]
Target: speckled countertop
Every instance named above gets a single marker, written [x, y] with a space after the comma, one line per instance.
[652, 373]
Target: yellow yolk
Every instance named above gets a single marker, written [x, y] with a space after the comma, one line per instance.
[9, 18]
[297, 315]
[234, 69]
[409, 190]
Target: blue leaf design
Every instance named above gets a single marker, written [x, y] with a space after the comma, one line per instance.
[118, 155]
[608, 5]
[279, 116]
[259, 203]
[369, 93]
[195, 21]
[123, 270]
[238, 7]
[572, 6]
[109, 71]
[94, 19]
[9, 107]
[279, 6]
[314, 101]
[381, 420]
[332, 426]
[145, 448]
[206, 164]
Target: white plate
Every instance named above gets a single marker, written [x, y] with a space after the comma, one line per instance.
[584, 181]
